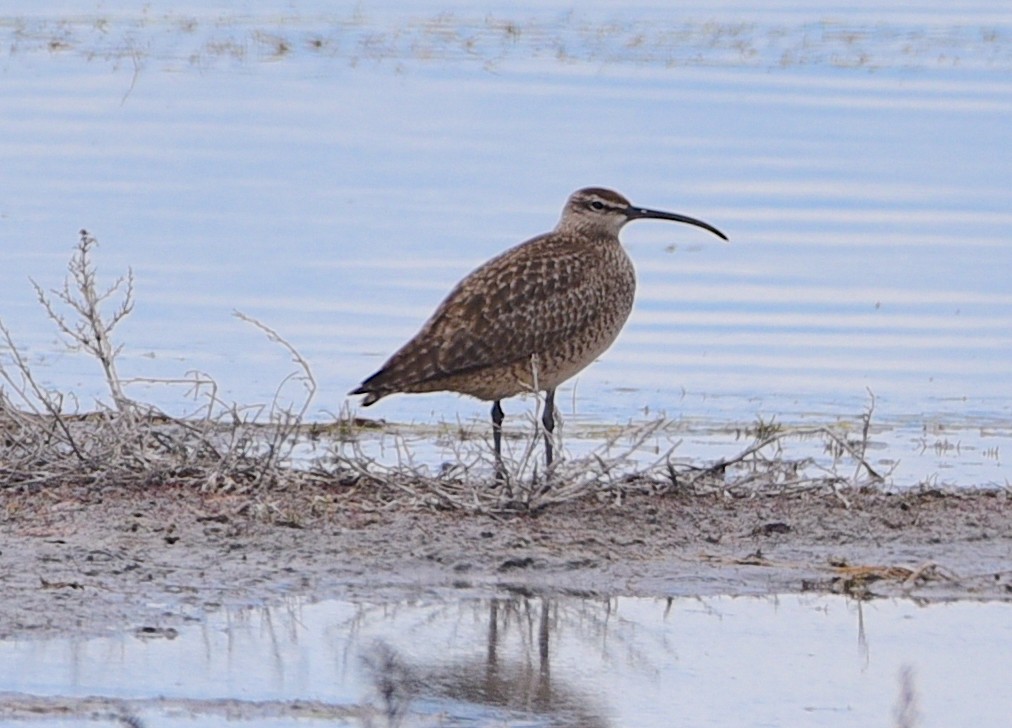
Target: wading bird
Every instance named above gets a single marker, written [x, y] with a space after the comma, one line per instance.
[530, 318]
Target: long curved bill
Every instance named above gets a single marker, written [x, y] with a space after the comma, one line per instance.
[640, 213]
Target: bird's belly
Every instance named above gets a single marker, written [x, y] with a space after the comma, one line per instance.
[541, 370]
[555, 367]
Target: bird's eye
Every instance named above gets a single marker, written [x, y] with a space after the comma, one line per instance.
[597, 205]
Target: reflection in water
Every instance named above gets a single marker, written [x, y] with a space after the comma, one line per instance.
[518, 680]
[535, 661]
[515, 679]
[395, 683]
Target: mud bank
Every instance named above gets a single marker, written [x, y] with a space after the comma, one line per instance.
[77, 560]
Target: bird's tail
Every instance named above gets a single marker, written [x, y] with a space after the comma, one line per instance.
[371, 395]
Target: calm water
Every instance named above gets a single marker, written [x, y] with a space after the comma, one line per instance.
[512, 662]
[334, 173]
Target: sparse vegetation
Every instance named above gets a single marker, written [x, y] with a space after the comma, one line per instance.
[356, 38]
[228, 447]
[49, 438]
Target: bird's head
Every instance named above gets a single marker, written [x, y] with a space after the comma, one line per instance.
[598, 210]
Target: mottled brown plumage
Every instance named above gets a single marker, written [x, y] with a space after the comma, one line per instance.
[551, 305]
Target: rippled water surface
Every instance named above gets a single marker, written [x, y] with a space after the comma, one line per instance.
[333, 172]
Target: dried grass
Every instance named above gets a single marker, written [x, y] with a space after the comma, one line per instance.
[47, 439]
[610, 473]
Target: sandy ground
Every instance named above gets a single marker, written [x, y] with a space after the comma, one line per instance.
[88, 561]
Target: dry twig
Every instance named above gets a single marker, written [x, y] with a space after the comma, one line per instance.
[46, 439]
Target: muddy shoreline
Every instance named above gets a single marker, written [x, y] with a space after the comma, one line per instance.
[85, 560]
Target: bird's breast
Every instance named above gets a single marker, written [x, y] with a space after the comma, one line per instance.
[591, 319]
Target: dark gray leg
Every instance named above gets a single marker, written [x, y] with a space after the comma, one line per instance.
[497, 418]
[548, 420]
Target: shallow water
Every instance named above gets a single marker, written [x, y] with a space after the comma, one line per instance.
[333, 174]
[516, 661]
